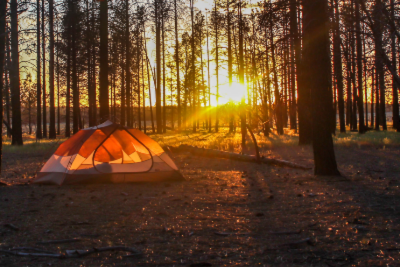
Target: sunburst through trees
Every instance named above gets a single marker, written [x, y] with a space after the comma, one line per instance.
[183, 65]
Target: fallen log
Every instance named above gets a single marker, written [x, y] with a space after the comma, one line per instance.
[213, 153]
[73, 253]
[33, 249]
[82, 253]
[27, 254]
[59, 241]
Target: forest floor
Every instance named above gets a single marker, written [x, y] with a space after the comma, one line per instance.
[226, 213]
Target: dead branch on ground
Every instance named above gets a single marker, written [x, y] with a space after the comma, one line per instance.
[213, 153]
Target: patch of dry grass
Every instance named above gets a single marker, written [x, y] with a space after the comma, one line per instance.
[223, 140]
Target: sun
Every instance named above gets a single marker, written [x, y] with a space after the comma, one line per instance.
[231, 93]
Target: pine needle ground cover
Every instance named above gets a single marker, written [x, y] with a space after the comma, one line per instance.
[227, 213]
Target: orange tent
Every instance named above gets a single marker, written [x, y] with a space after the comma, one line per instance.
[108, 153]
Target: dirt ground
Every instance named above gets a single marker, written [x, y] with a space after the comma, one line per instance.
[226, 214]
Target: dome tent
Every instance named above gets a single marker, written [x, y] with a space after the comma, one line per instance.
[108, 152]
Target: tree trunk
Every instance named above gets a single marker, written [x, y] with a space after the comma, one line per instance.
[68, 94]
[216, 64]
[38, 76]
[304, 112]
[316, 67]
[75, 90]
[230, 70]
[395, 98]
[148, 79]
[158, 65]
[93, 102]
[128, 65]
[138, 55]
[338, 68]
[372, 97]
[164, 111]
[89, 66]
[377, 116]
[193, 69]
[103, 75]
[360, 98]
[14, 78]
[52, 129]
[151, 106]
[144, 96]
[379, 62]
[3, 12]
[7, 96]
[293, 39]
[178, 82]
[208, 79]
[353, 73]
[278, 104]
[44, 73]
[241, 79]
[349, 108]
[122, 82]
[58, 94]
[29, 115]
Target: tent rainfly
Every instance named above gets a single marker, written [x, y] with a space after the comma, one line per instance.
[108, 152]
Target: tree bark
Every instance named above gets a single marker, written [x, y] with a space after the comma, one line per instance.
[14, 78]
[372, 97]
[38, 76]
[123, 92]
[278, 102]
[216, 21]
[75, 90]
[103, 75]
[208, 79]
[338, 68]
[58, 94]
[3, 12]
[293, 39]
[52, 129]
[379, 62]
[178, 82]
[377, 117]
[128, 65]
[229, 50]
[138, 57]
[241, 79]
[6, 74]
[68, 74]
[395, 98]
[158, 65]
[317, 78]
[305, 128]
[193, 68]
[44, 73]
[164, 111]
[360, 98]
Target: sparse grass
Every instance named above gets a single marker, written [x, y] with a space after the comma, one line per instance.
[32, 146]
[223, 140]
[384, 138]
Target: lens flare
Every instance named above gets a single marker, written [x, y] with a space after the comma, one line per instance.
[234, 92]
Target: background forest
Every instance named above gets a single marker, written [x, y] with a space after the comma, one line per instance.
[261, 66]
[195, 65]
